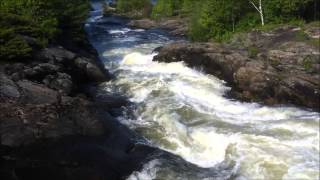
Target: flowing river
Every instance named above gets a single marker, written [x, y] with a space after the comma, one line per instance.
[185, 112]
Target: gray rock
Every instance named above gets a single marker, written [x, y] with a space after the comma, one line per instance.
[110, 101]
[8, 88]
[81, 62]
[30, 72]
[60, 55]
[34, 93]
[95, 73]
[16, 76]
[10, 69]
[47, 67]
[61, 82]
[24, 124]
[90, 70]
[39, 71]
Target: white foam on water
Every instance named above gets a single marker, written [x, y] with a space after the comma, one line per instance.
[143, 63]
[117, 52]
[137, 59]
[148, 171]
[123, 51]
[275, 142]
[268, 158]
[138, 30]
[208, 148]
[119, 31]
[94, 18]
[212, 98]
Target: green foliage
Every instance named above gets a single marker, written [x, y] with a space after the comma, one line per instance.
[13, 46]
[167, 8]
[12, 29]
[301, 36]
[163, 8]
[273, 26]
[314, 23]
[307, 63]
[214, 19]
[314, 42]
[249, 21]
[41, 20]
[135, 8]
[285, 10]
[253, 51]
[218, 20]
[187, 6]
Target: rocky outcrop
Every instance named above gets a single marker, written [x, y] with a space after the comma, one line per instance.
[47, 134]
[58, 69]
[52, 128]
[175, 26]
[276, 67]
[87, 69]
[38, 114]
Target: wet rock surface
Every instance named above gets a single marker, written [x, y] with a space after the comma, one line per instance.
[51, 128]
[277, 67]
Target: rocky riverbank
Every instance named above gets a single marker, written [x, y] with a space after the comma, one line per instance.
[176, 26]
[272, 67]
[56, 124]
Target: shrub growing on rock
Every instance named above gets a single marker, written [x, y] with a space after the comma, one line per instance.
[40, 20]
[13, 46]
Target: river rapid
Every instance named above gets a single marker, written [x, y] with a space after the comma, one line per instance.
[185, 112]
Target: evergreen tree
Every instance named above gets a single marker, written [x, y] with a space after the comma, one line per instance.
[42, 20]
[218, 19]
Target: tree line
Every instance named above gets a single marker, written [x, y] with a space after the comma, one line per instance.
[219, 19]
[39, 22]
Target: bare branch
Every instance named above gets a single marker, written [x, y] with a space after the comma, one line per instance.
[255, 6]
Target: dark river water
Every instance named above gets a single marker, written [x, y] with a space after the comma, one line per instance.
[185, 112]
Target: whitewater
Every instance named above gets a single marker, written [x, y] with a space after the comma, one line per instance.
[185, 111]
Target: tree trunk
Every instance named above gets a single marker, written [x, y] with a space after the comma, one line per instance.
[260, 10]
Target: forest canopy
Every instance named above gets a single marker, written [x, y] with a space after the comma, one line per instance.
[41, 21]
[218, 19]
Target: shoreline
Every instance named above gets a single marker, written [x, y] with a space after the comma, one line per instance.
[255, 69]
[55, 124]
[285, 76]
[271, 81]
